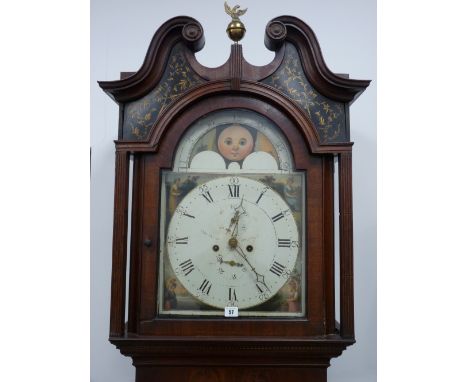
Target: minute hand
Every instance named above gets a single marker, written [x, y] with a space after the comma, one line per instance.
[260, 278]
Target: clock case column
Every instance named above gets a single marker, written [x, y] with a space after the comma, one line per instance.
[184, 350]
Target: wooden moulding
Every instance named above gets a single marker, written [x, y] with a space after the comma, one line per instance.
[278, 30]
[248, 90]
[192, 351]
[177, 29]
[236, 73]
[323, 79]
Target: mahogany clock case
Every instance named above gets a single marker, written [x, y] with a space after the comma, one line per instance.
[184, 91]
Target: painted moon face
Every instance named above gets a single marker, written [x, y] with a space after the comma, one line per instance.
[235, 143]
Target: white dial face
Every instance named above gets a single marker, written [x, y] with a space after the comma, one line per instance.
[233, 241]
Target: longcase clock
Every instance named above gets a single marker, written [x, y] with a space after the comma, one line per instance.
[225, 186]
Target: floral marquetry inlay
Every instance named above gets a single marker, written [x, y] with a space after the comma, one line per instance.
[327, 115]
[178, 77]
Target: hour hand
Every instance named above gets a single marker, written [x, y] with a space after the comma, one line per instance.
[233, 223]
[239, 207]
[234, 226]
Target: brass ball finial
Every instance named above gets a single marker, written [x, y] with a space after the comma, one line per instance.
[236, 29]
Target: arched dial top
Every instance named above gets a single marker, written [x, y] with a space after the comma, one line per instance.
[233, 141]
[233, 241]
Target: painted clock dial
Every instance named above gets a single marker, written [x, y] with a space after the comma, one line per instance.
[233, 241]
[232, 221]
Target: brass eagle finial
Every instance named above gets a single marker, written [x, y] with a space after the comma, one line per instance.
[236, 29]
[235, 12]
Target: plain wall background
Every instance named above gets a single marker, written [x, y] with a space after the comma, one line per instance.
[120, 34]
